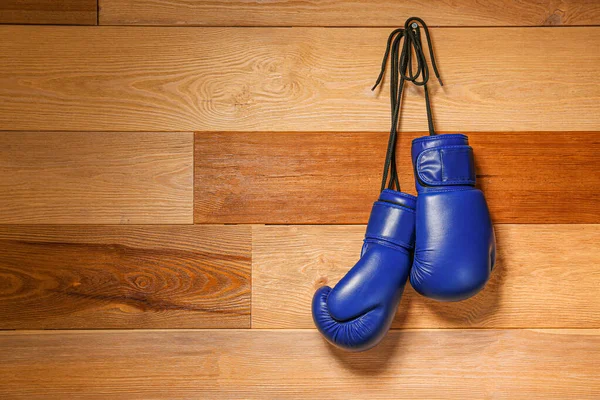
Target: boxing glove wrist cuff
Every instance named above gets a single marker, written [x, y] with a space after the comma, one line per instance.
[392, 223]
[446, 165]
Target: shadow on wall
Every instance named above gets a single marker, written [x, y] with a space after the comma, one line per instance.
[374, 361]
[477, 311]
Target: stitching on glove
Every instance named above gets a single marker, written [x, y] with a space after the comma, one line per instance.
[401, 245]
[392, 205]
[440, 137]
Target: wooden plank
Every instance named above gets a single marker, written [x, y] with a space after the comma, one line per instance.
[65, 12]
[348, 12]
[546, 277]
[300, 178]
[251, 364]
[64, 277]
[301, 79]
[87, 178]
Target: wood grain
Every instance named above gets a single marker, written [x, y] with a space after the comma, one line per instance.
[349, 12]
[301, 79]
[546, 277]
[65, 12]
[226, 364]
[64, 277]
[92, 177]
[334, 178]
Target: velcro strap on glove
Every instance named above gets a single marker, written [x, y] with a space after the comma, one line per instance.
[446, 165]
[392, 223]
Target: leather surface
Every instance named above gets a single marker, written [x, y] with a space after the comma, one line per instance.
[455, 246]
[446, 165]
[358, 312]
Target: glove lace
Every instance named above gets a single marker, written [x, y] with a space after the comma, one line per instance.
[402, 70]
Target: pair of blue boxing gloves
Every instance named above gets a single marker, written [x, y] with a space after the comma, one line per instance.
[442, 240]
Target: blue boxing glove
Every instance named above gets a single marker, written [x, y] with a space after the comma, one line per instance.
[455, 248]
[357, 313]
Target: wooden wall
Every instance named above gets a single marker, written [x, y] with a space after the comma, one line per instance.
[176, 182]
